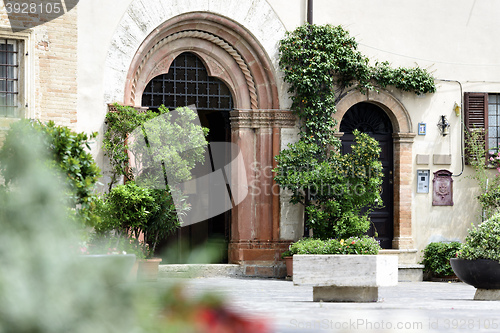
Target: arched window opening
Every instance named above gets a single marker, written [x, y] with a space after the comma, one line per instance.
[187, 83]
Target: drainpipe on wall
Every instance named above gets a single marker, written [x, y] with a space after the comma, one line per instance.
[310, 11]
[462, 123]
[307, 232]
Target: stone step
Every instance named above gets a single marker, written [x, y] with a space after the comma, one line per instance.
[405, 256]
[410, 273]
[199, 270]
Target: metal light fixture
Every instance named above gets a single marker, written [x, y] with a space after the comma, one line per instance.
[444, 126]
[457, 108]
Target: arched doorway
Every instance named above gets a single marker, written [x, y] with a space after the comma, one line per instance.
[231, 54]
[403, 137]
[371, 119]
[187, 83]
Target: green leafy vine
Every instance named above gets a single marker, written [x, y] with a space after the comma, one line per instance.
[321, 63]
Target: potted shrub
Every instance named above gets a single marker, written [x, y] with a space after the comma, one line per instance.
[126, 212]
[146, 149]
[478, 261]
[436, 260]
[343, 270]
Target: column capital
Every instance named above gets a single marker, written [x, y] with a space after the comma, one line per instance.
[403, 137]
[259, 118]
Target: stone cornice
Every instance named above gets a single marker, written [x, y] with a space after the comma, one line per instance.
[262, 118]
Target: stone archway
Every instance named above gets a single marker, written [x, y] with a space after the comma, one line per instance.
[403, 143]
[231, 54]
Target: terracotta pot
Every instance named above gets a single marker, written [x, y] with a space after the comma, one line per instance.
[289, 266]
[480, 273]
[148, 269]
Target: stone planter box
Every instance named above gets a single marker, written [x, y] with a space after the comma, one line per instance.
[345, 278]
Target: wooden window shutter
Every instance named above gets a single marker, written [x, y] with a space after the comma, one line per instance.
[476, 117]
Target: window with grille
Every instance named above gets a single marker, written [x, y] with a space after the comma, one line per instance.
[9, 78]
[187, 83]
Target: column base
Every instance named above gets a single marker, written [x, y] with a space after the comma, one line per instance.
[345, 294]
[259, 258]
[402, 243]
[487, 295]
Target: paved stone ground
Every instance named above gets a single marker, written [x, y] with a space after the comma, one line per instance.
[407, 307]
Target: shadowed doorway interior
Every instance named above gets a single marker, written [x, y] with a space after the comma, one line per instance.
[188, 83]
[371, 119]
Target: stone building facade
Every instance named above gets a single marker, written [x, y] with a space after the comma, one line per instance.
[103, 51]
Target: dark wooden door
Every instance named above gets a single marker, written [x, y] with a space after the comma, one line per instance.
[188, 83]
[372, 120]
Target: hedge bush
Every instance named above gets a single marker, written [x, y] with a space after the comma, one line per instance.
[437, 257]
[353, 245]
[483, 241]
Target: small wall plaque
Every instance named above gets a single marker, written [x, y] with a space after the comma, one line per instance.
[442, 188]
[421, 128]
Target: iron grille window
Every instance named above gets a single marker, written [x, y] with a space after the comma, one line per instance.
[9, 78]
[187, 83]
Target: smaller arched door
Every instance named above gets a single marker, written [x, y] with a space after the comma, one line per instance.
[371, 119]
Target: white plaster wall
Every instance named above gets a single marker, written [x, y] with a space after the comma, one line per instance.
[97, 22]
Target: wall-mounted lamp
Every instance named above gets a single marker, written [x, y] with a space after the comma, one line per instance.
[456, 108]
[444, 126]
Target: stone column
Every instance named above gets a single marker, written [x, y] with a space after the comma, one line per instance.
[403, 175]
[255, 240]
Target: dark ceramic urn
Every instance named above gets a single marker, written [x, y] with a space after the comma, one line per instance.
[480, 273]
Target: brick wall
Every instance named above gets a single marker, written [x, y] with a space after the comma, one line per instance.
[52, 65]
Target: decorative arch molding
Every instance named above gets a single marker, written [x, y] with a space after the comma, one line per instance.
[195, 42]
[400, 118]
[234, 55]
[144, 18]
[403, 157]
[228, 51]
